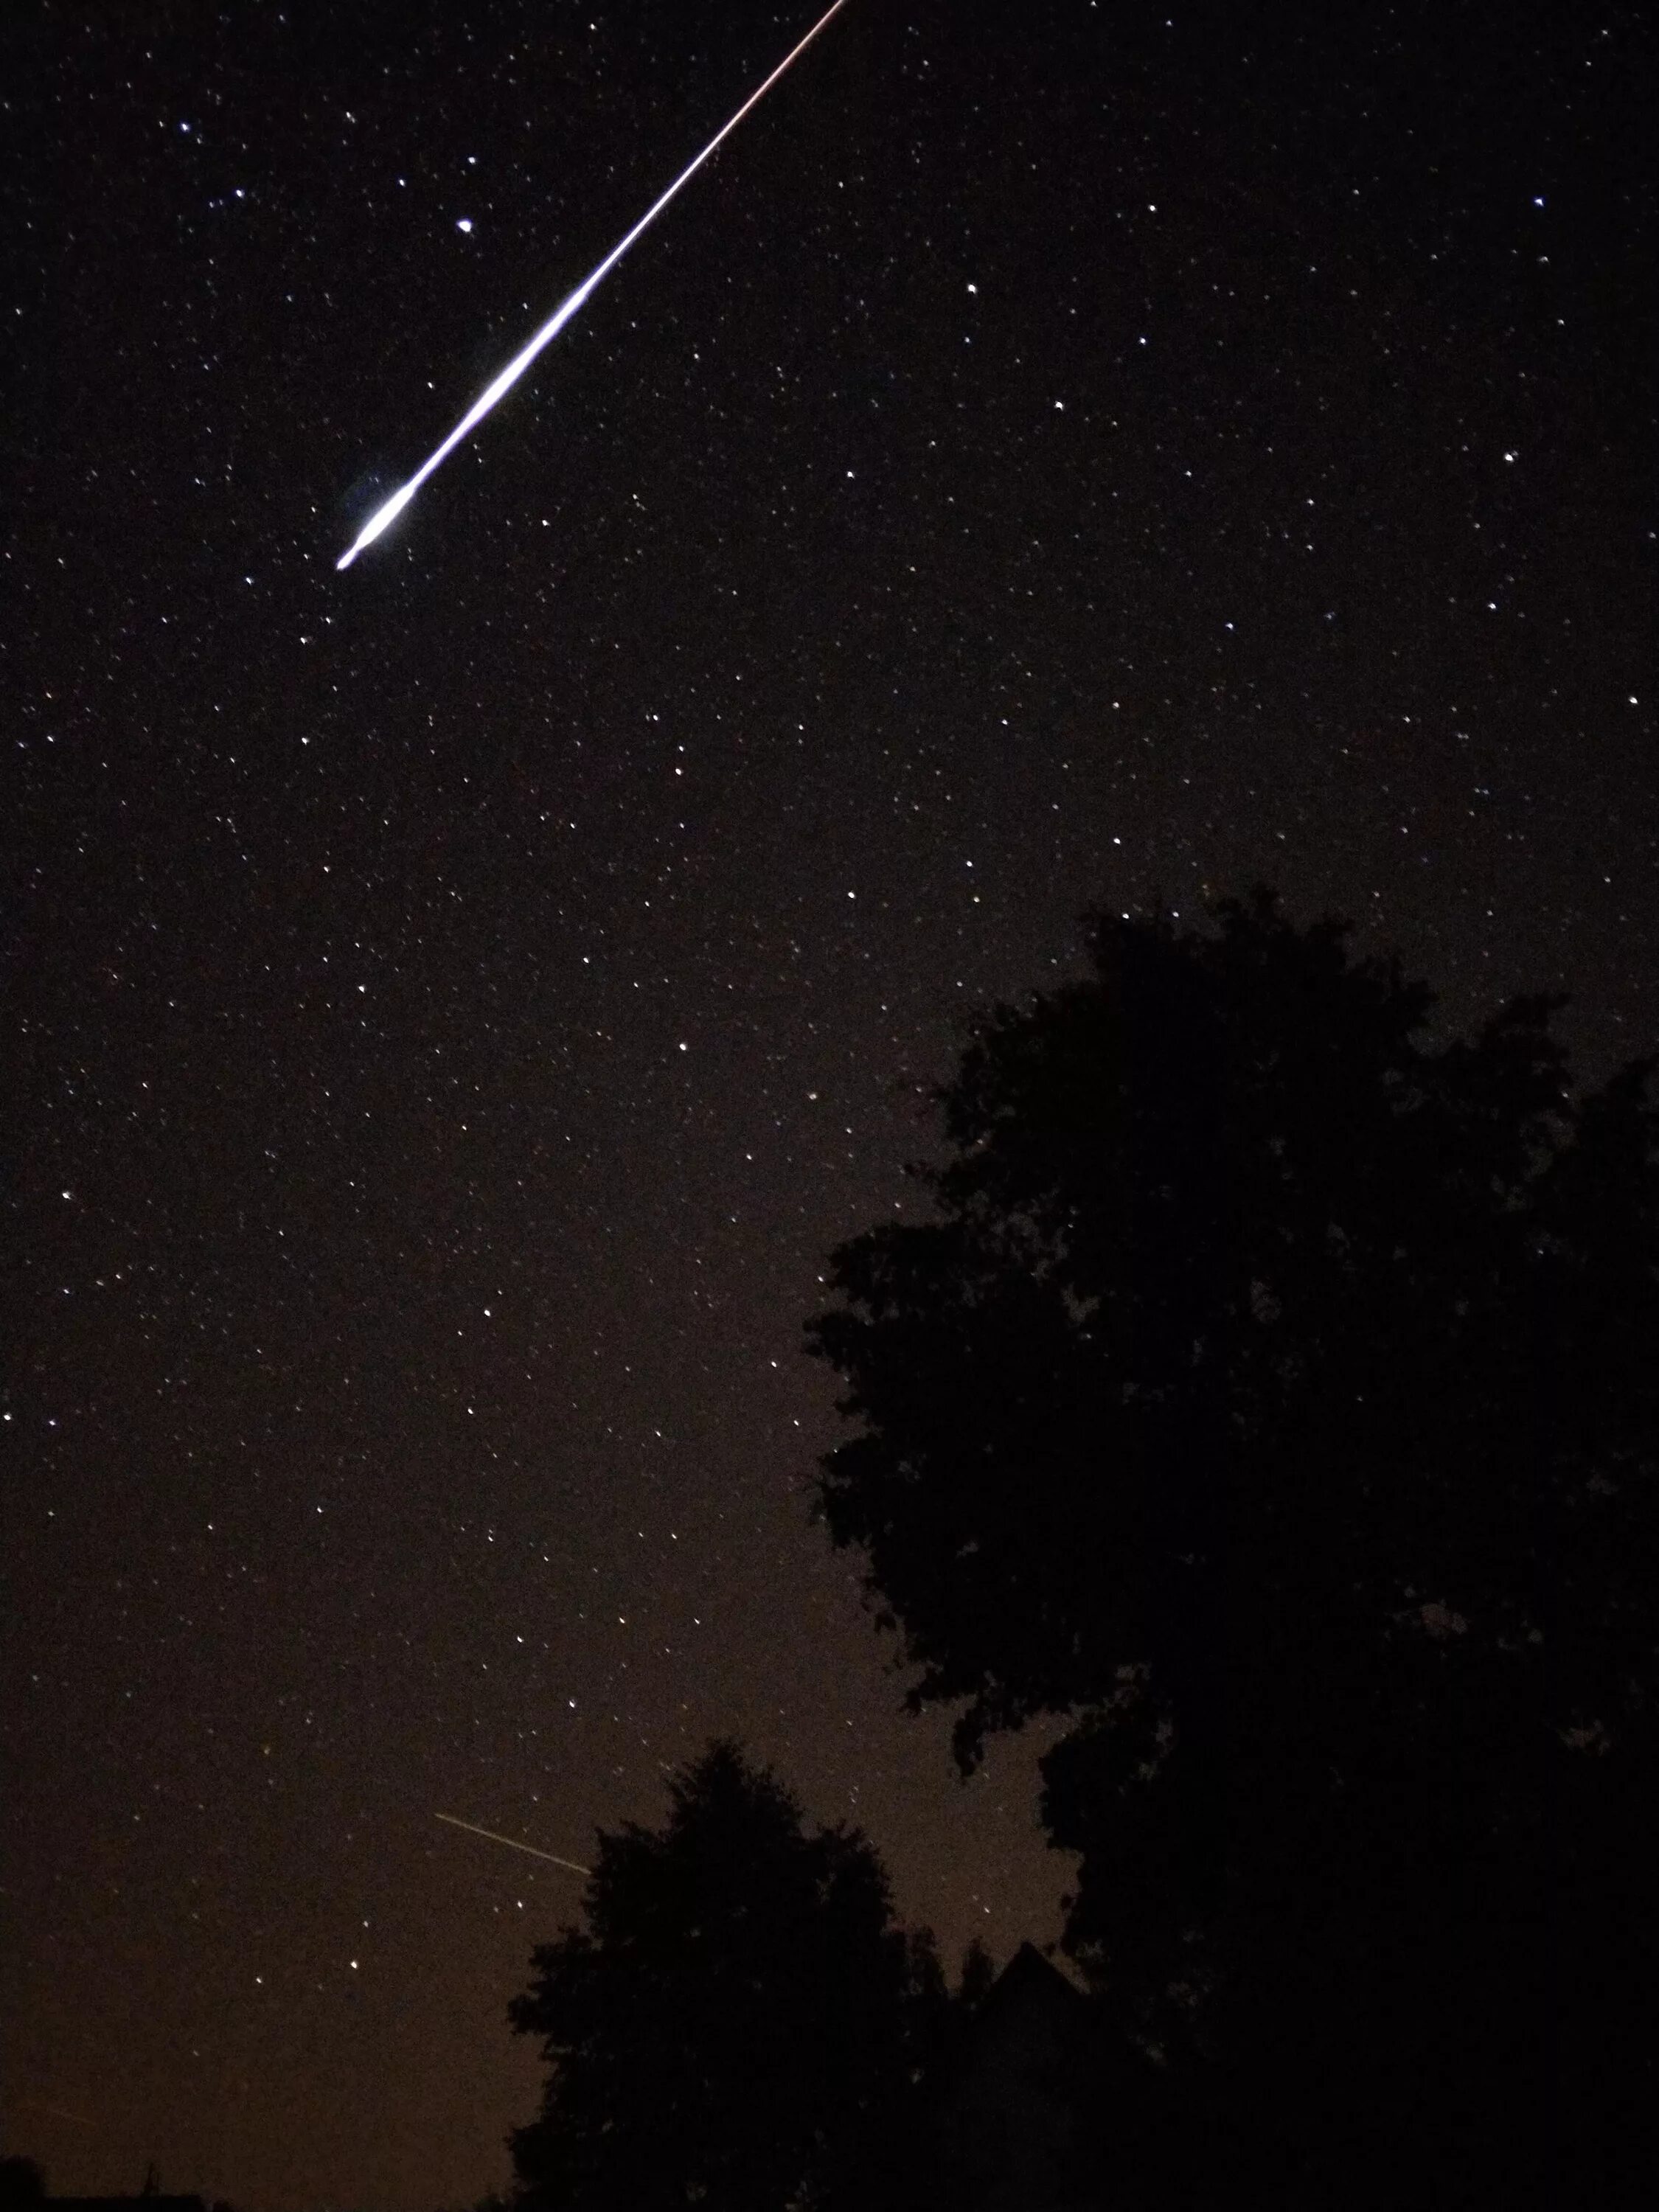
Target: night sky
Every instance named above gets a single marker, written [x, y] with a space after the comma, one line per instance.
[1053, 453]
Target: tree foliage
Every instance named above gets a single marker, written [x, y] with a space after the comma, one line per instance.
[23, 2184]
[738, 2025]
[1276, 1392]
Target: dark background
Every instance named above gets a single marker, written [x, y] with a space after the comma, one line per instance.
[1052, 453]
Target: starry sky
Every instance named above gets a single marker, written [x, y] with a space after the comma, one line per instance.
[1054, 453]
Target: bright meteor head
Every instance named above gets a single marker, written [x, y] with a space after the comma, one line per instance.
[556, 322]
[377, 522]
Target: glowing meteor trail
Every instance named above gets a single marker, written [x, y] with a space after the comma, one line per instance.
[569, 1865]
[549, 329]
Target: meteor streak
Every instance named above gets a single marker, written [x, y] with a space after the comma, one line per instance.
[569, 1865]
[549, 329]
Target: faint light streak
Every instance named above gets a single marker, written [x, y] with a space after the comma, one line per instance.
[512, 1843]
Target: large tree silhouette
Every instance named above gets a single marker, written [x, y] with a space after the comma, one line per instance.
[740, 2024]
[1276, 1393]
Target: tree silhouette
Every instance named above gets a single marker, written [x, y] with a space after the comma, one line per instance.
[741, 2024]
[23, 2184]
[1278, 1393]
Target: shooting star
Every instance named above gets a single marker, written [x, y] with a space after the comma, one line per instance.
[473, 1829]
[58, 2111]
[556, 322]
